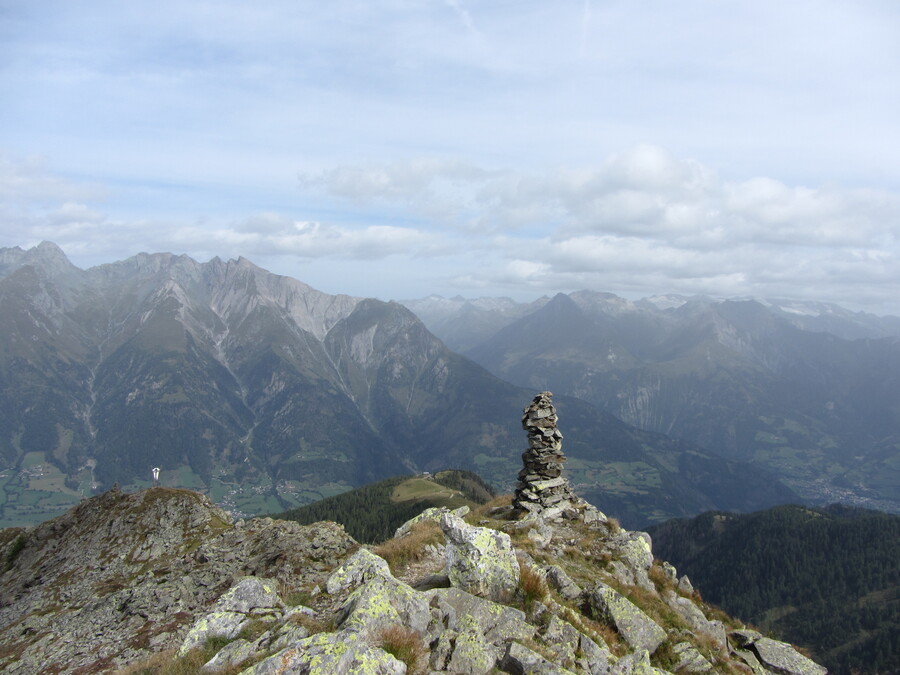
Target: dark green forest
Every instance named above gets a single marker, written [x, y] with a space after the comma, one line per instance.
[826, 579]
[370, 515]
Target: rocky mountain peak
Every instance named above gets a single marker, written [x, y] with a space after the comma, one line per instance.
[162, 579]
[122, 575]
[46, 256]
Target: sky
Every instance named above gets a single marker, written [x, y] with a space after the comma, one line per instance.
[402, 148]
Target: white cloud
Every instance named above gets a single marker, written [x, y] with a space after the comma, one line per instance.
[640, 222]
[644, 221]
[30, 181]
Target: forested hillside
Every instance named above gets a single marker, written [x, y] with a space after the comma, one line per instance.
[371, 513]
[827, 578]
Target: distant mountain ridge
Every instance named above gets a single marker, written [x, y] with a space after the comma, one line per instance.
[266, 394]
[808, 389]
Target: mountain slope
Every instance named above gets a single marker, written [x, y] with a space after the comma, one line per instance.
[740, 378]
[268, 394]
[825, 578]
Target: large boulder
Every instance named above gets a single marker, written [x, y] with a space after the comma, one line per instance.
[215, 624]
[690, 660]
[637, 629]
[433, 514]
[633, 553]
[357, 569]
[383, 602]
[498, 623]
[480, 560]
[251, 597]
[327, 654]
[520, 660]
[774, 656]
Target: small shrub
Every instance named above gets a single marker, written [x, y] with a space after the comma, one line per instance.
[664, 657]
[405, 645]
[293, 596]
[400, 552]
[253, 630]
[15, 548]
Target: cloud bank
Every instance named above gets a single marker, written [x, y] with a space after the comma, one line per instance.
[641, 222]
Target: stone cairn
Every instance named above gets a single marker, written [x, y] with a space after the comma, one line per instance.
[542, 489]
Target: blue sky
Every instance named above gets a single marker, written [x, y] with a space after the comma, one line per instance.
[401, 148]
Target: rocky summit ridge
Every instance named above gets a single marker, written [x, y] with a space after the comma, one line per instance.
[162, 579]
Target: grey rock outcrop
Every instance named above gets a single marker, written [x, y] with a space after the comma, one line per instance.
[520, 660]
[327, 653]
[432, 514]
[124, 575]
[638, 629]
[773, 656]
[480, 560]
[357, 569]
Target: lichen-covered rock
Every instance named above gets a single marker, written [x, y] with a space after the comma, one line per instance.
[472, 654]
[519, 660]
[633, 552]
[498, 623]
[562, 582]
[433, 514]
[328, 654]
[595, 659]
[692, 614]
[774, 656]
[357, 569]
[382, 602]
[232, 654]
[540, 533]
[288, 634]
[215, 624]
[638, 629]
[251, 595]
[563, 640]
[690, 660]
[480, 560]
[636, 663]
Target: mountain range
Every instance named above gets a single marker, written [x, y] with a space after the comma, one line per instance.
[266, 394]
[809, 390]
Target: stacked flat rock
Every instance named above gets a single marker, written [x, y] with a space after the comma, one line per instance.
[541, 485]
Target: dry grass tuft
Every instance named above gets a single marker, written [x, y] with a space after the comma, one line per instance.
[660, 579]
[532, 585]
[313, 624]
[599, 631]
[411, 548]
[405, 645]
[166, 663]
[483, 510]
